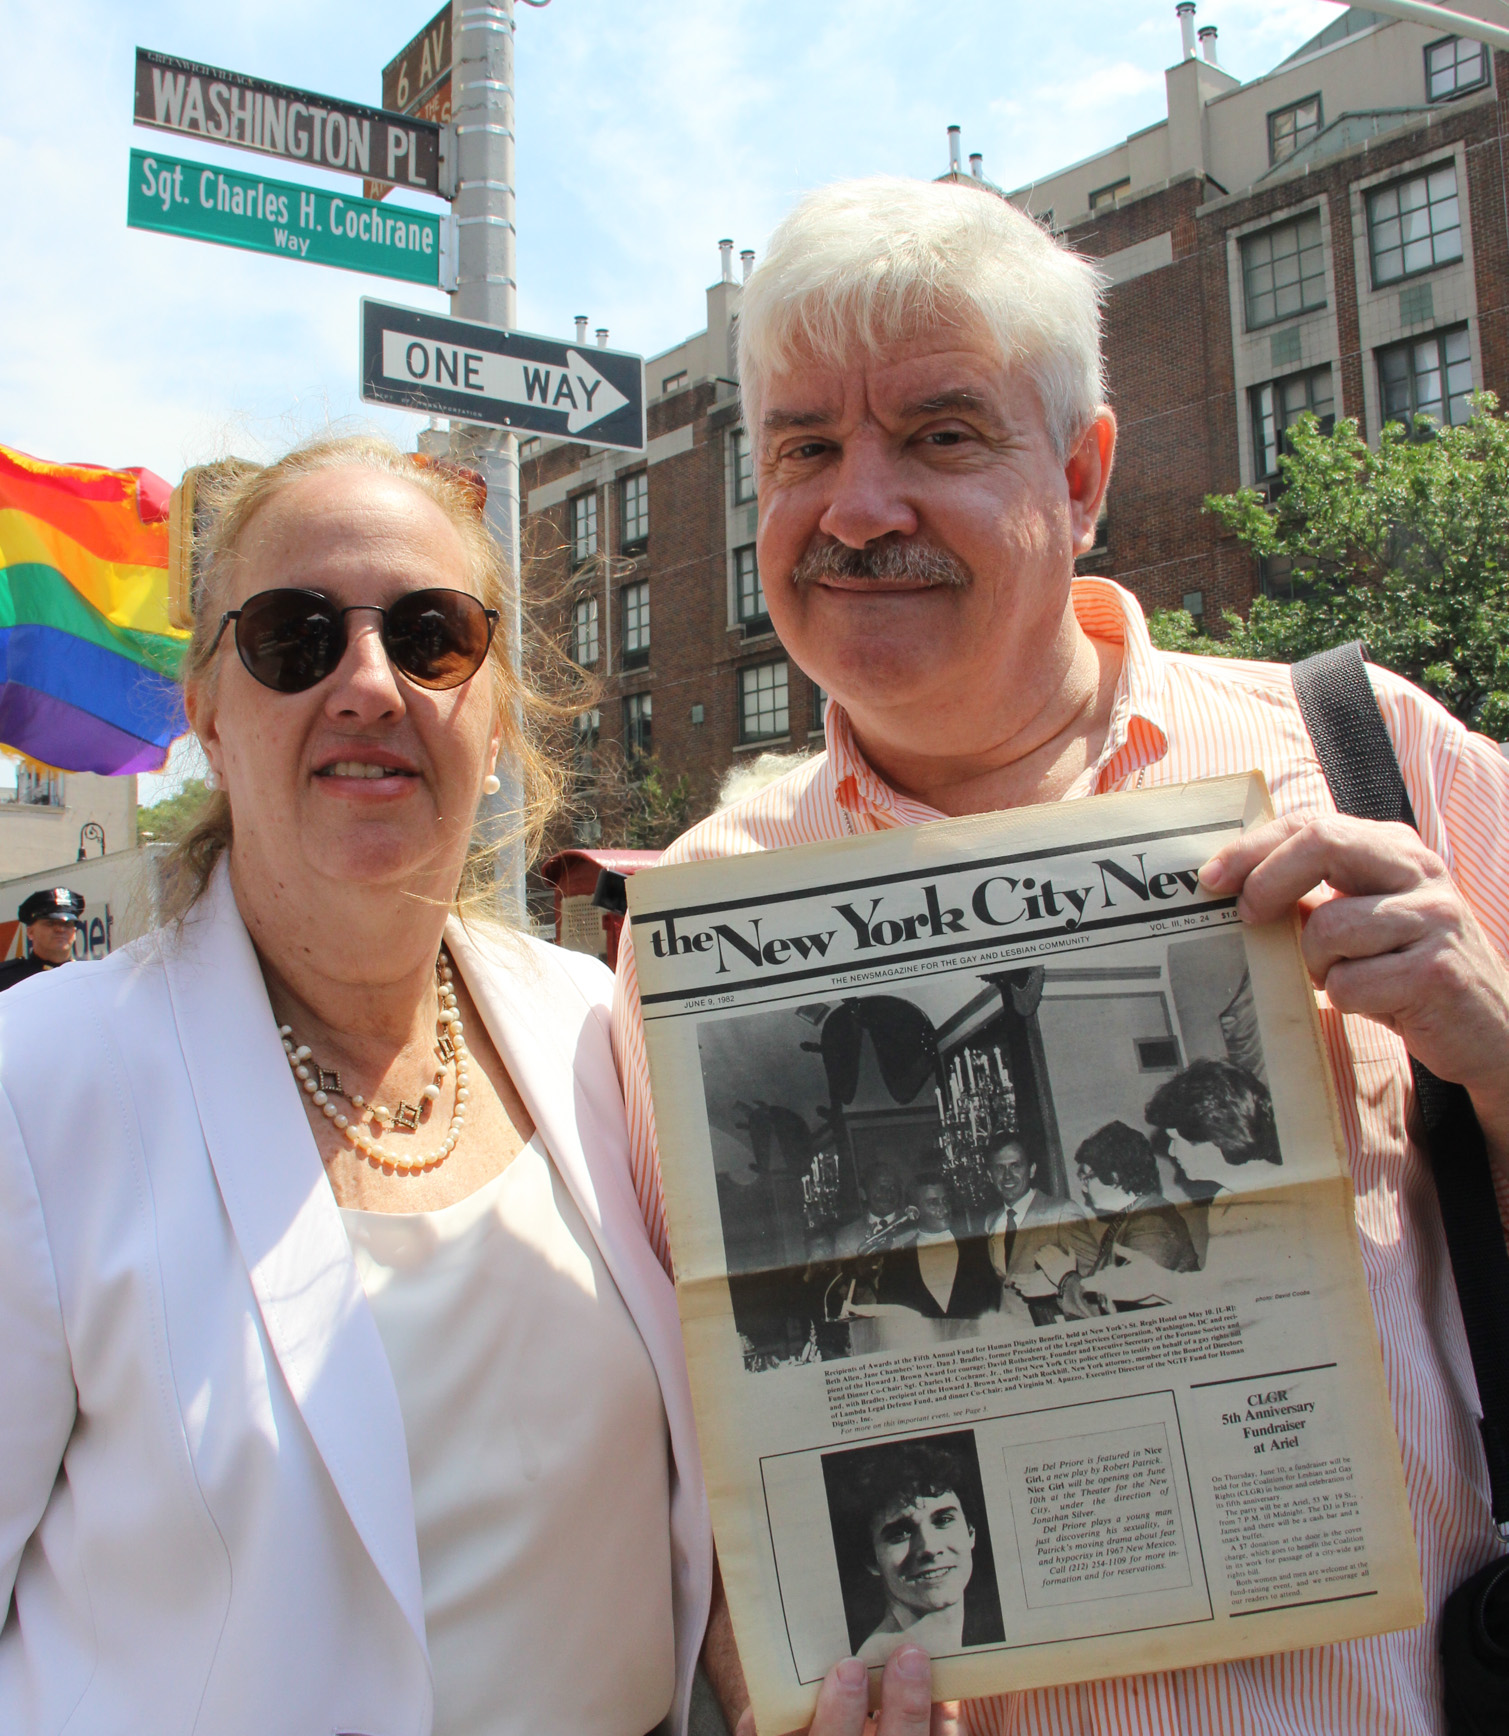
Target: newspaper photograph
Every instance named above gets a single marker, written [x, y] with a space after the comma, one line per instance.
[1015, 1254]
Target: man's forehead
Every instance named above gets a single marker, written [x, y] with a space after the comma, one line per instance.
[944, 369]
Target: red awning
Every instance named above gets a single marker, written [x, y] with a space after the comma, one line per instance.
[556, 868]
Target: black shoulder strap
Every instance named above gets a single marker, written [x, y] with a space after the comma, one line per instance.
[1353, 746]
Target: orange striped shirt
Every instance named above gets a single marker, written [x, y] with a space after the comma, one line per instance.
[1175, 718]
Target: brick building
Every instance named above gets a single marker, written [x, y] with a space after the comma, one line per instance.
[1332, 236]
[1329, 237]
[655, 554]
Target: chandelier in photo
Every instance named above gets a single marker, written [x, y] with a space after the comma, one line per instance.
[976, 1106]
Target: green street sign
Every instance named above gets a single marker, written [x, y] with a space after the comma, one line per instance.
[207, 204]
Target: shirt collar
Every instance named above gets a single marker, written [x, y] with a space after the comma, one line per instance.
[1018, 1208]
[1136, 736]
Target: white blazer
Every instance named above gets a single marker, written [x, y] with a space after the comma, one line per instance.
[206, 1522]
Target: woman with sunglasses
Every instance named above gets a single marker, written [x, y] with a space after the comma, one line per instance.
[341, 1388]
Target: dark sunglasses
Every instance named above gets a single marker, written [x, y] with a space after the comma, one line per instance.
[290, 640]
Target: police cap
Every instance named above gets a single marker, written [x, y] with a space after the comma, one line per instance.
[54, 902]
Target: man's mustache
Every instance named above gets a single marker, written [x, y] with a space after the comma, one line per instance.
[889, 558]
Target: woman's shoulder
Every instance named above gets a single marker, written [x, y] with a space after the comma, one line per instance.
[56, 1000]
[81, 1048]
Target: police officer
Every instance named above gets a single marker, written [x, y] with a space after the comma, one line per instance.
[51, 917]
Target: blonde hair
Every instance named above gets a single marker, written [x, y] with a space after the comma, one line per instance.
[530, 706]
[863, 264]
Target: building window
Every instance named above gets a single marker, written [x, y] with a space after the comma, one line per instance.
[529, 447]
[636, 508]
[1427, 377]
[1453, 66]
[763, 709]
[1415, 224]
[37, 789]
[1106, 198]
[1290, 128]
[1277, 406]
[1283, 271]
[637, 725]
[749, 593]
[741, 466]
[586, 728]
[636, 613]
[1276, 577]
[586, 825]
[819, 700]
[584, 631]
[583, 527]
[674, 382]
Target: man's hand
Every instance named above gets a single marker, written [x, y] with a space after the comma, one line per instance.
[1386, 934]
[906, 1701]
[1133, 1278]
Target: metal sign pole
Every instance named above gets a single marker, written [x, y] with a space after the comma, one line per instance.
[482, 111]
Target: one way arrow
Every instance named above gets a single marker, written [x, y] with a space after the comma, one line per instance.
[578, 391]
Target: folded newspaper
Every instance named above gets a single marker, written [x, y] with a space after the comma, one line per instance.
[1015, 1253]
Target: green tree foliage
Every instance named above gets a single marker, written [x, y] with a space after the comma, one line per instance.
[657, 808]
[168, 820]
[1405, 548]
[636, 801]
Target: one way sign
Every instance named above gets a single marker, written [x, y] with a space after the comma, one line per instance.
[453, 367]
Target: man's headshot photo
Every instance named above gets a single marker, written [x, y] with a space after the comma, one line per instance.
[913, 1546]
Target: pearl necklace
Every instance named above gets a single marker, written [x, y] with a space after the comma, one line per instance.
[321, 1084]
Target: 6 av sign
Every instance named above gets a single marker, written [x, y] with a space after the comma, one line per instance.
[453, 367]
[205, 102]
[414, 79]
[418, 80]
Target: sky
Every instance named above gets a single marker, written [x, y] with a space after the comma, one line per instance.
[645, 133]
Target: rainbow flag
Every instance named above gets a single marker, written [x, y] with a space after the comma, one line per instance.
[88, 659]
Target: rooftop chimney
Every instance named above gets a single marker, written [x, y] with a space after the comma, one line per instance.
[1208, 43]
[746, 260]
[955, 165]
[977, 165]
[1186, 12]
[726, 248]
[602, 337]
[581, 328]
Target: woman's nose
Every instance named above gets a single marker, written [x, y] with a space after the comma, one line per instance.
[365, 683]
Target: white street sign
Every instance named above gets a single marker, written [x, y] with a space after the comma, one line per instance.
[449, 367]
[577, 388]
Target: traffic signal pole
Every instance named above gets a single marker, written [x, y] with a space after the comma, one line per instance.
[482, 112]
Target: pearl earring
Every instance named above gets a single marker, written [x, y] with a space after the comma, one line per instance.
[211, 782]
[491, 784]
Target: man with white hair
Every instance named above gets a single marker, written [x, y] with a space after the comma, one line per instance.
[922, 383]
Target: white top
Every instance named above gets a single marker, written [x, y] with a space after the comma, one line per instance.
[539, 1458]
